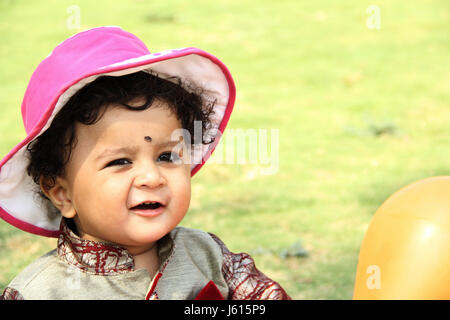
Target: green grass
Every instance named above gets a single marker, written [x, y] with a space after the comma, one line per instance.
[360, 113]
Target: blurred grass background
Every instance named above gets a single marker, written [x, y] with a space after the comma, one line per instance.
[361, 112]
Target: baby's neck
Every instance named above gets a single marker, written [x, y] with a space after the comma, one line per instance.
[148, 260]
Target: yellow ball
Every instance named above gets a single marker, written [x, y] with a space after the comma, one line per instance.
[405, 253]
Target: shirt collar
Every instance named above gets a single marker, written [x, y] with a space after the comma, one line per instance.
[103, 258]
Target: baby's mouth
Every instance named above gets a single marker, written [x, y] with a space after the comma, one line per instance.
[148, 209]
[147, 206]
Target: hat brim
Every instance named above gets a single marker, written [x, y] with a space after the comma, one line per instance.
[21, 206]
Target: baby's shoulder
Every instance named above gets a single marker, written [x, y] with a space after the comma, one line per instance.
[29, 277]
[196, 240]
[184, 233]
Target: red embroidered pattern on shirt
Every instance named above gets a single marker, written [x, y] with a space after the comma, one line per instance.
[11, 294]
[93, 257]
[244, 280]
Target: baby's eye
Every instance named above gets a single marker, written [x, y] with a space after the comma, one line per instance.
[118, 162]
[171, 157]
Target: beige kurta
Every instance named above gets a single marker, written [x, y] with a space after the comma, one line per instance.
[190, 259]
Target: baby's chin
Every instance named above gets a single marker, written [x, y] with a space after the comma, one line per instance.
[144, 237]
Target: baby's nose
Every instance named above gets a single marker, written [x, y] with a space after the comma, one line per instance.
[149, 176]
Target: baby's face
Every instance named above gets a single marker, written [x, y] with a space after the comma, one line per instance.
[120, 164]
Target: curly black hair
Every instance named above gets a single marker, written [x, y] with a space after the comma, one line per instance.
[50, 152]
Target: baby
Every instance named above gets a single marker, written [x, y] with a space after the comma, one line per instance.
[112, 143]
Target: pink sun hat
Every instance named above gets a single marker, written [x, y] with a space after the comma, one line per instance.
[76, 62]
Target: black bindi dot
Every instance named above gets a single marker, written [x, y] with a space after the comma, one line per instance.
[148, 138]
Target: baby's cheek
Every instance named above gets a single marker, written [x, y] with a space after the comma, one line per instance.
[107, 196]
[114, 191]
[184, 192]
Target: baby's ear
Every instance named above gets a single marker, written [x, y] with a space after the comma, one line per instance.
[58, 193]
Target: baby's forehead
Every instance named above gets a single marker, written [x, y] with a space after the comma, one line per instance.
[119, 125]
